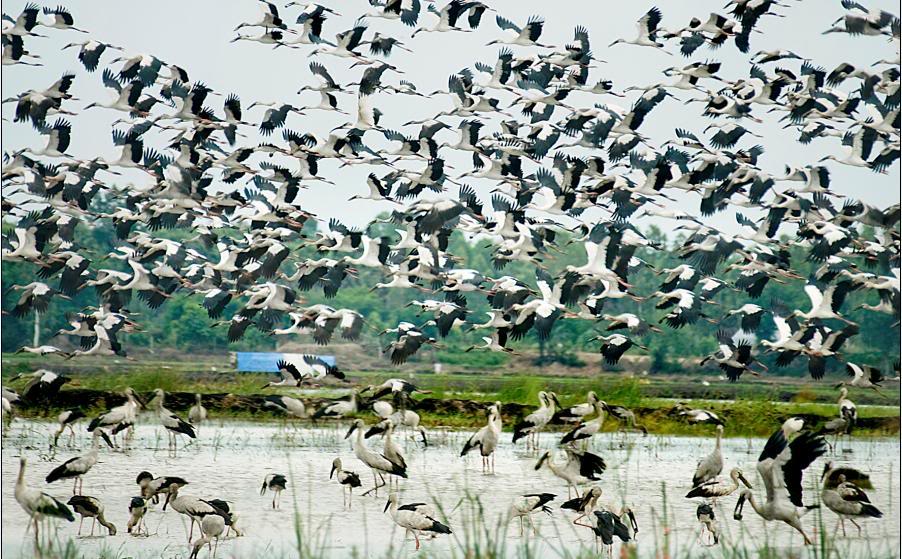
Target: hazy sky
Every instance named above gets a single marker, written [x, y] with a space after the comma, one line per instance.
[196, 35]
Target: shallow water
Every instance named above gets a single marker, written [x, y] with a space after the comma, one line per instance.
[230, 459]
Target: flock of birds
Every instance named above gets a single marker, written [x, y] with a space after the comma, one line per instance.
[562, 159]
[557, 166]
[786, 455]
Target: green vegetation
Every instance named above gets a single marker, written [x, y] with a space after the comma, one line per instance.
[456, 400]
[181, 326]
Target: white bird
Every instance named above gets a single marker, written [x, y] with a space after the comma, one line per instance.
[537, 420]
[378, 463]
[710, 466]
[525, 505]
[291, 406]
[37, 504]
[413, 520]
[486, 439]
[91, 507]
[173, 424]
[276, 483]
[715, 488]
[66, 420]
[647, 26]
[345, 478]
[77, 467]
[197, 414]
[586, 429]
[780, 466]
[580, 468]
[211, 528]
[848, 501]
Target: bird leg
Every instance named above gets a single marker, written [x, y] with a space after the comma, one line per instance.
[93, 523]
[416, 537]
[531, 523]
[80, 522]
[376, 484]
[856, 525]
[842, 523]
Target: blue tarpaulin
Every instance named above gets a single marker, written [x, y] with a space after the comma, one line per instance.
[265, 362]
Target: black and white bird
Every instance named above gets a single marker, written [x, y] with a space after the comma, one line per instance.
[275, 483]
[152, 487]
[849, 502]
[377, 462]
[412, 520]
[44, 385]
[173, 424]
[291, 406]
[781, 465]
[137, 508]
[711, 465]
[90, 507]
[716, 488]
[533, 423]
[76, 468]
[705, 515]
[580, 468]
[526, 505]
[345, 478]
[67, 420]
[37, 504]
[486, 439]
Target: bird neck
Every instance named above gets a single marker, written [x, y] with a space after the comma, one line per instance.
[750, 497]
[20, 479]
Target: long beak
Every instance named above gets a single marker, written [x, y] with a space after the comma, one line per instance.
[387, 504]
[105, 438]
[332, 471]
[633, 522]
[351, 430]
[263, 489]
[737, 511]
[745, 481]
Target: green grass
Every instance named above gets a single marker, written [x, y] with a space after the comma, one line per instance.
[755, 407]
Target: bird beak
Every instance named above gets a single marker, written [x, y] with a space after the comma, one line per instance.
[20, 376]
[263, 489]
[633, 522]
[737, 511]
[387, 504]
[541, 461]
[745, 481]
[105, 438]
[332, 471]
[351, 430]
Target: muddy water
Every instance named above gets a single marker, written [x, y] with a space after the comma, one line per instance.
[229, 460]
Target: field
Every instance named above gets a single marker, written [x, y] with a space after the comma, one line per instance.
[457, 398]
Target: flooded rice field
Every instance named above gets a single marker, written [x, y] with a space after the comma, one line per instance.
[229, 460]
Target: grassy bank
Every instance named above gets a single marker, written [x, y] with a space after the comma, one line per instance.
[750, 408]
